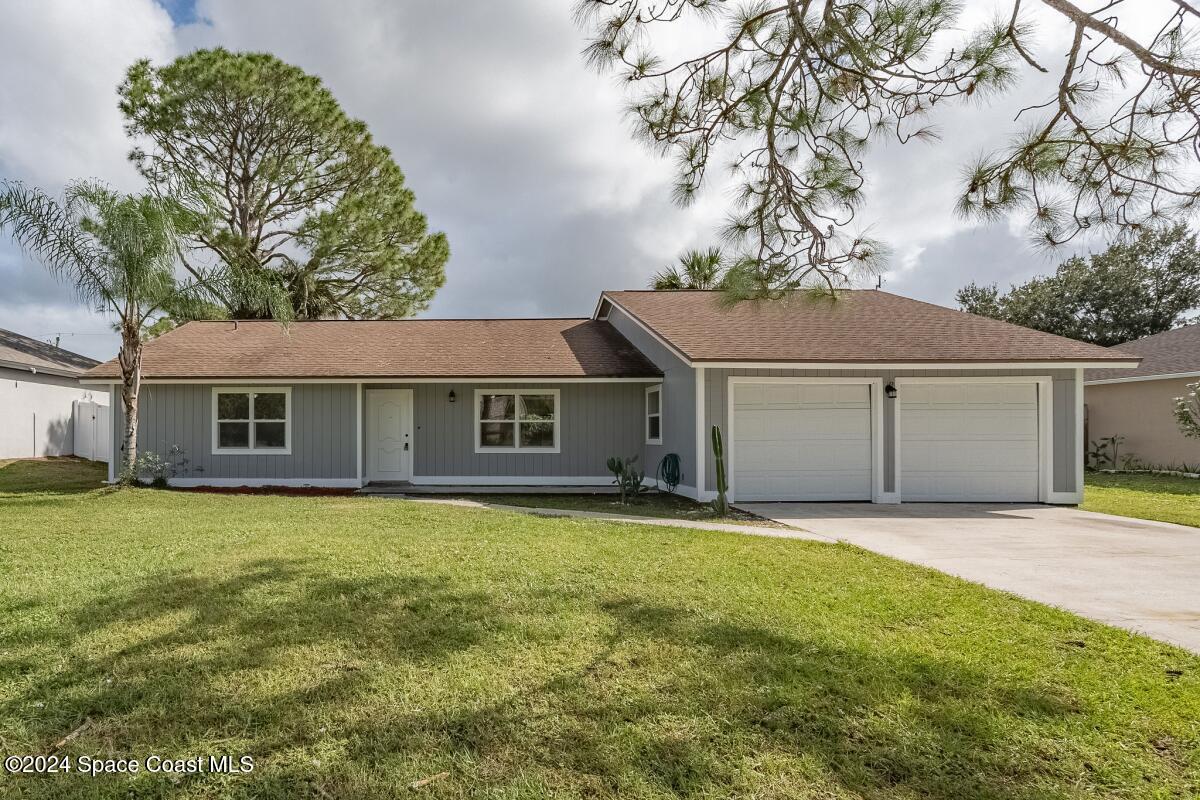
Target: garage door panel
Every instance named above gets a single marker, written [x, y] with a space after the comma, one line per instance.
[947, 394]
[795, 424]
[917, 395]
[750, 395]
[815, 456]
[971, 424]
[802, 441]
[780, 395]
[969, 442]
[813, 485]
[1007, 424]
[785, 396]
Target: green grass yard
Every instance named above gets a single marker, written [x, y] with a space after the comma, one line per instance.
[1161, 497]
[354, 645]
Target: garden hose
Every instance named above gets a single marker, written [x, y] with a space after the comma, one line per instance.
[669, 472]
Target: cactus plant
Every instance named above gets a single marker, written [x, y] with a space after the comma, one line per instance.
[721, 503]
[629, 480]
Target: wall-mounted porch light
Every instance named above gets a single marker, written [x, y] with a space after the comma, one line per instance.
[451, 397]
[890, 391]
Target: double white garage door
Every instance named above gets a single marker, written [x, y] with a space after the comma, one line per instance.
[815, 441]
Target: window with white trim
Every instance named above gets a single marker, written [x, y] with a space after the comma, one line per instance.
[654, 415]
[252, 421]
[523, 421]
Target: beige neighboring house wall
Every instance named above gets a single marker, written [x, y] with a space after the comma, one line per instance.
[1139, 403]
[1142, 412]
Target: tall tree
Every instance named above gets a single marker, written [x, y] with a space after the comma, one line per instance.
[798, 90]
[288, 194]
[697, 269]
[119, 251]
[1132, 289]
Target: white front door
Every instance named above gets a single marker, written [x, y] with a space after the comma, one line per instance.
[967, 441]
[802, 441]
[389, 434]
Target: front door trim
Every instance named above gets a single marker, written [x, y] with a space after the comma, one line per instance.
[370, 433]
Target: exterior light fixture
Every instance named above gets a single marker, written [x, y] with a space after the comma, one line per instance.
[452, 397]
[890, 391]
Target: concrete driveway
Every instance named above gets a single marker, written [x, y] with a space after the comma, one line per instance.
[1139, 575]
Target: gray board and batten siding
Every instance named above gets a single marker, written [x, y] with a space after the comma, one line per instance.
[598, 419]
[1063, 413]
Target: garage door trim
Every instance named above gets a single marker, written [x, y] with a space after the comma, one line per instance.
[876, 394]
[1045, 403]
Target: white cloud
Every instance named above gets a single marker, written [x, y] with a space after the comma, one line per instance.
[514, 147]
[62, 63]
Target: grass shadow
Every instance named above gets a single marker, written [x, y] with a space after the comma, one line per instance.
[60, 475]
[798, 701]
[350, 685]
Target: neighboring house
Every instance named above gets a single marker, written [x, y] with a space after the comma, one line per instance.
[873, 397]
[1139, 404]
[39, 387]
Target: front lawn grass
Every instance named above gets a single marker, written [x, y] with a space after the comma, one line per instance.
[353, 645]
[59, 475]
[1166, 498]
[651, 504]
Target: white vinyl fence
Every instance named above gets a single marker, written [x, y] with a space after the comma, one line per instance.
[93, 431]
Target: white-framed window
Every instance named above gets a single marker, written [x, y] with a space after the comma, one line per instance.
[654, 415]
[516, 421]
[251, 421]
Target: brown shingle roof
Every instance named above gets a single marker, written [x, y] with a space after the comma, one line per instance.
[22, 351]
[1167, 353]
[864, 325]
[534, 348]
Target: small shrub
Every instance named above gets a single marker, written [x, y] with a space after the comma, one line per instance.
[1104, 453]
[1187, 411]
[152, 470]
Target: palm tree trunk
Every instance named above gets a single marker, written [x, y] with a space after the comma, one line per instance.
[130, 359]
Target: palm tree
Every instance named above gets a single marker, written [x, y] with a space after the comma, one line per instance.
[119, 251]
[698, 269]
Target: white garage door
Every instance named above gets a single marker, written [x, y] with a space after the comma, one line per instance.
[801, 441]
[969, 442]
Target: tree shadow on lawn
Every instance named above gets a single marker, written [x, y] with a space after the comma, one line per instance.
[664, 701]
[796, 701]
[51, 476]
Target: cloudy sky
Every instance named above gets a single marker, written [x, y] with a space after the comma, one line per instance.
[514, 148]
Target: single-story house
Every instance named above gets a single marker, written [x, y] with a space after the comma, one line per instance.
[1139, 403]
[870, 397]
[39, 389]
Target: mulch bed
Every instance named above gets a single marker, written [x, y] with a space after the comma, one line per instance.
[296, 491]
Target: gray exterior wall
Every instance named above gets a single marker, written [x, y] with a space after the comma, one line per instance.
[323, 432]
[678, 400]
[598, 420]
[1065, 447]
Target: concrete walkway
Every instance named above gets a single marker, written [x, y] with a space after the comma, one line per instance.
[1139, 575]
[753, 530]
